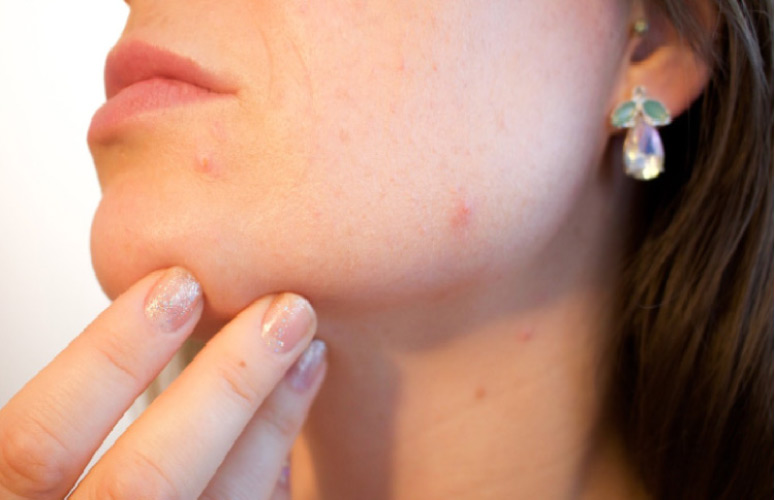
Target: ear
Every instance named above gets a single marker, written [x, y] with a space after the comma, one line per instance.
[662, 61]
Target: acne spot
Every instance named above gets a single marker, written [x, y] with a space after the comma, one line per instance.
[207, 165]
[526, 335]
[480, 393]
[462, 212]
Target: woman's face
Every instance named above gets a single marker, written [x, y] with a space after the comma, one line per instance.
[371, 153]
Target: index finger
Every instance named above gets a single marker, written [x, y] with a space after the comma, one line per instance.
[176, 446]
[52, 427]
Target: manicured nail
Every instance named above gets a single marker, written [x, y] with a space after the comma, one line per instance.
[304, 372]
[173, 299]
[285, 474]
[288, 319]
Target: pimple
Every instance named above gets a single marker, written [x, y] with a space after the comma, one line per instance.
[480, 393]
[206, 164]
[462, 212]
[526, 335]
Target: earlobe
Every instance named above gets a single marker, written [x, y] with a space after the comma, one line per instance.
[662, 76]
[662, 61]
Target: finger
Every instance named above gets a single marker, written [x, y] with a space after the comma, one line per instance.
[52, 427]
[174, 448]
[282, 491]
[253, 466]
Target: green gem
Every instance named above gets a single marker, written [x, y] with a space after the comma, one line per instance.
[656, 112]
[624, 115]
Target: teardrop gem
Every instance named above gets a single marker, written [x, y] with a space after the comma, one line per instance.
[644, 156]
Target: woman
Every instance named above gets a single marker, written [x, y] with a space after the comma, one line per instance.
[501, 311]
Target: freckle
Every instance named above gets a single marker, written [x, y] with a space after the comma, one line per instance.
[401, 65]
[242, 363]
[344, 135]
[480, 393]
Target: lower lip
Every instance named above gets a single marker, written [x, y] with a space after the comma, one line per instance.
[143, 97]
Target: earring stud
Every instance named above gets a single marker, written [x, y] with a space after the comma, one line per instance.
[644, 155]
[640, 27]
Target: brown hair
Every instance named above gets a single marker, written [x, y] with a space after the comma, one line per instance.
[694, 371]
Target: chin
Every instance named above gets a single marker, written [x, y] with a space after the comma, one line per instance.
[139, 230]
[243, 250]
[124, 251]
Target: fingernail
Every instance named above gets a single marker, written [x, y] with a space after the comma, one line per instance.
[288, 319]
[285, 474]
[304, 372]
[173, 299]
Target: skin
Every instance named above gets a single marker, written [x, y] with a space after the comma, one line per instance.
[439, 179]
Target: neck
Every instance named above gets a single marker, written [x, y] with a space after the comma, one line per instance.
[494, 393]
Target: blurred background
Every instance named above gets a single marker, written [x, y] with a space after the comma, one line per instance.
[51, 61]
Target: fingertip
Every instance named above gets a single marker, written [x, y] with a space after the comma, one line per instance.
[288, 320]
[173, 300]
[305, 372]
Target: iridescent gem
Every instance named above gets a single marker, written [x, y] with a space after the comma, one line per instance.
[644, 156]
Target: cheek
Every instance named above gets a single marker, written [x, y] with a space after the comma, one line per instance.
[468, 146]
[208, 157]
[462, 214]
[379, 171]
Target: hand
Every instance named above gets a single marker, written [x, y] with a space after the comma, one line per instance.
[221, 430]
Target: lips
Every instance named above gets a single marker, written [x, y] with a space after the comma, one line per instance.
[141, 78]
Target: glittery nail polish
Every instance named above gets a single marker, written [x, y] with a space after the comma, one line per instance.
[288, 319]
[285, 475]
[173, 299]
[303, 373]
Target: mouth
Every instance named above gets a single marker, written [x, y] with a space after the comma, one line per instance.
[142, 79]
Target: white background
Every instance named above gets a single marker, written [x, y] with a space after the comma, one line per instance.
[52, 54]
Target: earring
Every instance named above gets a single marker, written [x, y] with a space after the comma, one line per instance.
[640, 27]
[644, 155]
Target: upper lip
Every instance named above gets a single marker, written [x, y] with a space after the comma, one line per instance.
[134, 61]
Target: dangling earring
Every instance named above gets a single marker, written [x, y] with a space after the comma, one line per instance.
[644, 155]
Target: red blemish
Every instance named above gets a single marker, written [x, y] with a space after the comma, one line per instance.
[207, 165]
[526, 335]
[480, 393]
[461, 215]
